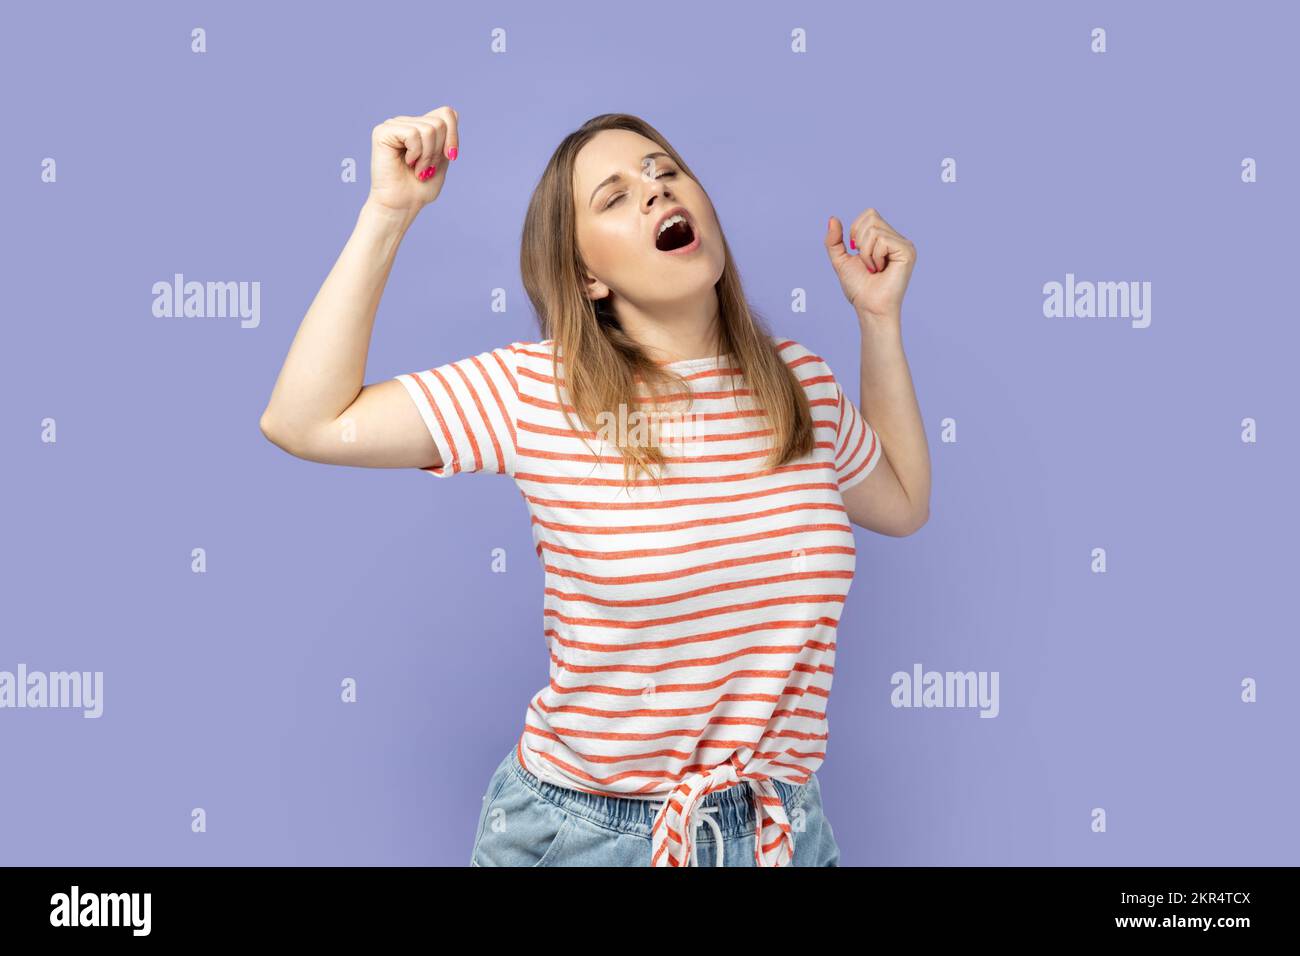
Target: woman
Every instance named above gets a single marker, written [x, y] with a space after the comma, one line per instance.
[692, 482]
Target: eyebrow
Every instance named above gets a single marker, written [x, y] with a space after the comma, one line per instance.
[617, 176]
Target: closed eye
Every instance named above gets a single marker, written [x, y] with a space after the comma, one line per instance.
[614, 201]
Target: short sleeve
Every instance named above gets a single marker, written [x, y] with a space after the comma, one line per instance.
[857, 448]
[469, 407]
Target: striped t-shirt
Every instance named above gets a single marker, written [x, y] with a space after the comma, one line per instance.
[691, 625]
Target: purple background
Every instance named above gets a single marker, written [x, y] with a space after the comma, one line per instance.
[1118, 690]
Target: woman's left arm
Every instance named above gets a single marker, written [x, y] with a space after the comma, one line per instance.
[895, 498]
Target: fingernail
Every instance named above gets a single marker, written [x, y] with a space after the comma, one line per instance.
[453, 152]
[869, 269]
[852, 244]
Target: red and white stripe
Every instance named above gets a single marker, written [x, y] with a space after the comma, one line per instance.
[691, 625]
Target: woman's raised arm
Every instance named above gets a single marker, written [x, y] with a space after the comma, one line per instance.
[319, 409]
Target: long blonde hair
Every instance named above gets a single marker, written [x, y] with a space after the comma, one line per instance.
[602, 363]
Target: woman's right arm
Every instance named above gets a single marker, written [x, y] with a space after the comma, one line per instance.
[319, 408]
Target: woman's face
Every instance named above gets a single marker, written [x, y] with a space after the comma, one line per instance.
[624, 184]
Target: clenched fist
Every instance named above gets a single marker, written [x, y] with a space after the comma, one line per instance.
[409, 156]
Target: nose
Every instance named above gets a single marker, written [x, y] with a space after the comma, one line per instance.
[658, 190]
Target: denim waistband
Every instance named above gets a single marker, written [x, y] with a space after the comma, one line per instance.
[735, 805]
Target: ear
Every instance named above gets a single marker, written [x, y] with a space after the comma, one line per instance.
[596, 289]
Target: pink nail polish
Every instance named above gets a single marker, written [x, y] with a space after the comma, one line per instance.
[452, 154]
[852, 244]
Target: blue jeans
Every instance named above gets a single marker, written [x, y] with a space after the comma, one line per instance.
[526, 821]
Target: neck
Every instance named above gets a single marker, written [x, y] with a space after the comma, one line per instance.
[675, 333]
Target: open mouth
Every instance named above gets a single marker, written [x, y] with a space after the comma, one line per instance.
[676, 233]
